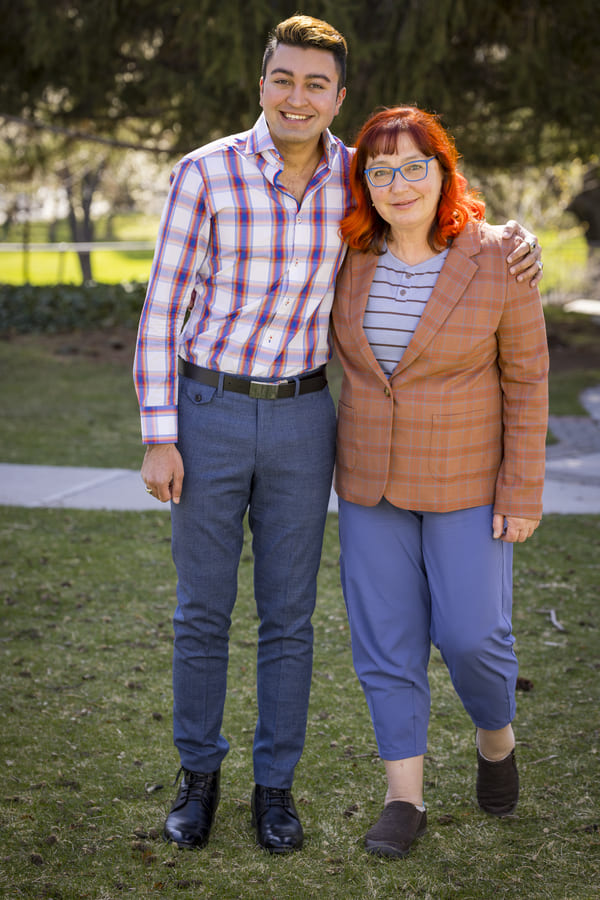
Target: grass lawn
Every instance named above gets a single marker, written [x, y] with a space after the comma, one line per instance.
[85, 655]
[88, 761]
[565, 256]
[78, 408]
[50, 267]
[574, 342]
[108, 266]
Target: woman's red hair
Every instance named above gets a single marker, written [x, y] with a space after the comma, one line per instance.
[363, 228]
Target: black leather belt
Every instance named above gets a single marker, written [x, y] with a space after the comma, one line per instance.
[259, 390]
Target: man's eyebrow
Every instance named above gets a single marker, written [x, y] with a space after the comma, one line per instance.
[281, 71]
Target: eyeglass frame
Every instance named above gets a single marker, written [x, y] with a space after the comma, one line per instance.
[399, 169]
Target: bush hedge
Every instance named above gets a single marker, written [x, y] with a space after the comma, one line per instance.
[64, 307]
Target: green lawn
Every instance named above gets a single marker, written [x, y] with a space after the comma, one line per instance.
[88, 762]
[565, 257]
[76, 411]
[108, 266]
[85, 654]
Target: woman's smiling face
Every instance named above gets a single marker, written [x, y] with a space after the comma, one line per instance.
[407, 205]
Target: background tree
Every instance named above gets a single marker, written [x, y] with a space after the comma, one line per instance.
[516, 82]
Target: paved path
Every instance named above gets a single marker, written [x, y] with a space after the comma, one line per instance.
[573, 464]
[572, 475]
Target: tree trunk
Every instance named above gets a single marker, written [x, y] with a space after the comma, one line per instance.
[80, 210]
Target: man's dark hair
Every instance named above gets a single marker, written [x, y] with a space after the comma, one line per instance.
[304, 31]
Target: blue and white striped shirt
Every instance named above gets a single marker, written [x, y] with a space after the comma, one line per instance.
[396, 302]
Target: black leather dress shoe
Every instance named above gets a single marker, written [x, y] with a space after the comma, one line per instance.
[189, 822]
[275, 819]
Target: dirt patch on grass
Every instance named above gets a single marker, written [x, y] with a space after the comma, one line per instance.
[573, 342]
[111, 345]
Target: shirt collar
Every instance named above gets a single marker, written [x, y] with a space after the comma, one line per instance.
[260, 142]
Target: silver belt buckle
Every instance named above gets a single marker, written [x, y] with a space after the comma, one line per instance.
[264, 390]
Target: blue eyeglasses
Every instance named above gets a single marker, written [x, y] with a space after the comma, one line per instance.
[415, 170]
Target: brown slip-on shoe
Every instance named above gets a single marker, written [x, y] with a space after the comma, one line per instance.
[398, 826]
[497, 785]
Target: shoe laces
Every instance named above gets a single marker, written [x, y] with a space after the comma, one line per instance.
[278, 797]
[194, 784]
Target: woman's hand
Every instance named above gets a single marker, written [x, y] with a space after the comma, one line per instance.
[525, 259]
[513, 529]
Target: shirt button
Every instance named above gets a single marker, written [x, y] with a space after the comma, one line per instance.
[387, 391]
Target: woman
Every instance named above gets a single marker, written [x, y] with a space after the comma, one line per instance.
[440, 465]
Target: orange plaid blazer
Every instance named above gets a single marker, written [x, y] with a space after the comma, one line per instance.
[462, 420]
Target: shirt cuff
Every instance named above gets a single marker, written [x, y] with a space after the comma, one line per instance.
[159, 426]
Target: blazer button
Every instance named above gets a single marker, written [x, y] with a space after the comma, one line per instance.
[387, 392]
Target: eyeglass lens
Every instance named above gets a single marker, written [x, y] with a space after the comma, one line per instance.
[381, 176]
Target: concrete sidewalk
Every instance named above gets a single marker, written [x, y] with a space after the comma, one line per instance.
[572, 486]
[572, 476]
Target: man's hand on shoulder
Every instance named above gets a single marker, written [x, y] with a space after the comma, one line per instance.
[162, 472]
[525, 257]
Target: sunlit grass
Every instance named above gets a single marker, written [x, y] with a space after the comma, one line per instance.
[108, 267]
[125, 227]
[565, 255]
[62, 267]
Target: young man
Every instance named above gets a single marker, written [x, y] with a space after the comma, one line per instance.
[235, 397]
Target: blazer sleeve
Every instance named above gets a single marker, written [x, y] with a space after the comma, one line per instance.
[523, 365]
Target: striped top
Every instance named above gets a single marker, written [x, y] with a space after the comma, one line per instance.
[257, 269]
[396, 302]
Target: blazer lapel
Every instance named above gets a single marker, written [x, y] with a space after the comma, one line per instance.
[456, 274]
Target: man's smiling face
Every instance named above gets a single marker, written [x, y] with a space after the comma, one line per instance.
[299, 94]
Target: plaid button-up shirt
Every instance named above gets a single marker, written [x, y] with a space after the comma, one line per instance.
[253, 270]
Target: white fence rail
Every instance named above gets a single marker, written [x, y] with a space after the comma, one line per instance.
[83, 247]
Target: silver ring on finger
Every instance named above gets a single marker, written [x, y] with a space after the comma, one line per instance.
[148, 490]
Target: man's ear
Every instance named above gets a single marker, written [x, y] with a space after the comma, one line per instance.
[340, 99]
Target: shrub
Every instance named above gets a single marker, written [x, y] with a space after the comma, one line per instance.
[55, 308]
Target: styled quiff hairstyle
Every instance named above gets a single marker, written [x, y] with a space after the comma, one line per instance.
[304, 31]
[363, 228]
